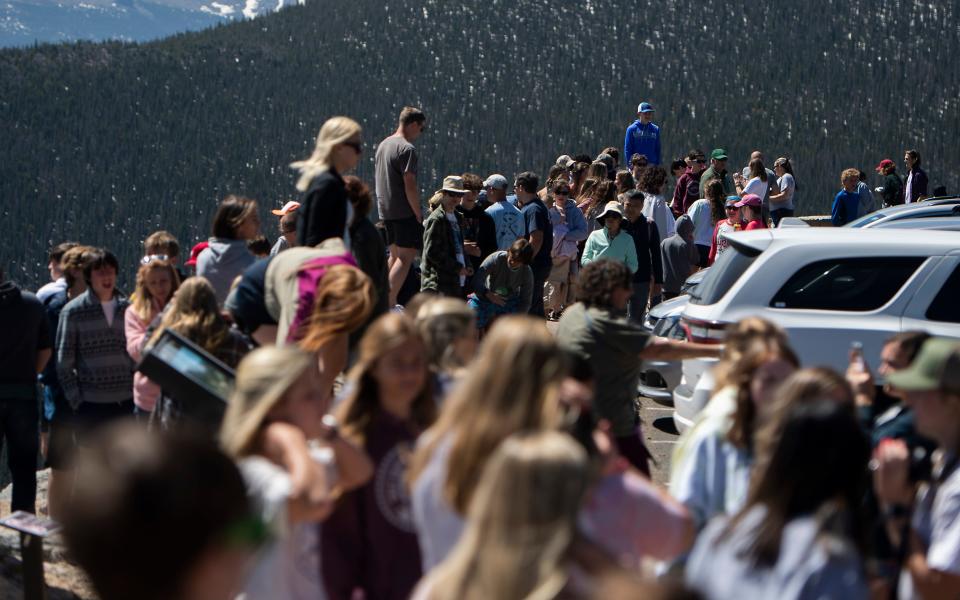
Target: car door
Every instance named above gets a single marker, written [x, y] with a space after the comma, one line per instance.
[935, 307]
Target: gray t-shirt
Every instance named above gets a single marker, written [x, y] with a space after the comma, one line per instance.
[394, 158]
[788, 186]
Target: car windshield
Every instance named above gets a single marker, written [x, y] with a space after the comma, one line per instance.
[731, 264]
[866, 219]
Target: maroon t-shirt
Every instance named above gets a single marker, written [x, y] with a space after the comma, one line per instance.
[369, 542]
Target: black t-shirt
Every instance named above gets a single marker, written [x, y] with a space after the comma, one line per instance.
[25, 332]
[537, 218]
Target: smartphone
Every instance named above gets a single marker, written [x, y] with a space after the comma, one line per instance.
[856, 356]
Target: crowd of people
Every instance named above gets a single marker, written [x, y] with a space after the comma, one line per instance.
[404, 423]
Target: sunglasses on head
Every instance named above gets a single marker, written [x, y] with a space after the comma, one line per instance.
[146, 260]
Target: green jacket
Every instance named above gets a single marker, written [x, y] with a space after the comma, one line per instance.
[439, 269]
[728, 187]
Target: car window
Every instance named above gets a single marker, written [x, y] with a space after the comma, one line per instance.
[731, 264]
[852, 284]
[866, 219]
[946, 307]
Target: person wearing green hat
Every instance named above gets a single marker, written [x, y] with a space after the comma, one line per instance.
[717, 170]
[931, 388]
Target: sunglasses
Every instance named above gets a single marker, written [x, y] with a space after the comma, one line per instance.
[733, 208]
[357, 147]
[562, 192]
[146, 260]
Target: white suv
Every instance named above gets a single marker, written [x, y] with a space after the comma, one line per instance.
[827, 287]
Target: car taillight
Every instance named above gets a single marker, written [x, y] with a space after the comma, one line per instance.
[704, 332]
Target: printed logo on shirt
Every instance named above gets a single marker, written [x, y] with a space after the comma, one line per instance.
[390, 491]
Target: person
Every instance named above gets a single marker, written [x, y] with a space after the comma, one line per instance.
[655, 209]
[479, 230]
[367, 247]
[611, 242]
[705, 213]
[771, 181]
[578, 174]
[678, 167]
[57, 281]
[643, 136]
[163, 243]
[596, 329]
[712, 461]
[343, 303]
[648, 278]
[93, 367]
[449, 330]
[535, 483]
[25, 349]
[796, 535]
[922, 519]
[159, 516]
[398, 196]
[194, 255]
[755, 182]
[227, 255]
[193, 313]
[846, 204]
[892, 189]
[507, 218]
[717, 170]
[294, 463]
[324, 209]
[866, 196]
[638, 162]
[539, 232]
[915, 187]
[57, 410]
[503, 285]
[624, 183]
[719, 243]
[569, 229]
[680, 257]
[751, 212]
[259, 247]
[288, 227]
[592, 203]
[783, 198]
[511, 387]
[687, 190]
[369, 541]
[157, 281]
[443, 267]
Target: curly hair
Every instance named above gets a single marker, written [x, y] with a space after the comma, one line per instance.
[599, 279]
[652, 180]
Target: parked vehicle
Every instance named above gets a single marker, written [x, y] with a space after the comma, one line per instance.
[934, 207]
[659, 377]
[941, 223]
[827, 287]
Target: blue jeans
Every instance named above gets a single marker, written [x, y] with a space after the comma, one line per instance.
[20, 429]
[780, 213]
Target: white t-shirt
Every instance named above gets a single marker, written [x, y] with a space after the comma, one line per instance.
[109, 310]
[758, 187]
[655, 209]
[288, 567]
[702, 219]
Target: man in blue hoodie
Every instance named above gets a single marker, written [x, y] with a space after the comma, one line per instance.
[643, 137]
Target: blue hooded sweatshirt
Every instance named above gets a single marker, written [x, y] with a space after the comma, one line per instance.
[642, 139]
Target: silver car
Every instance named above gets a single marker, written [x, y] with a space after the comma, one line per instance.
[659, 377]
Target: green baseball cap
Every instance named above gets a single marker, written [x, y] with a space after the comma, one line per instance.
[936, 367]
[719, 154]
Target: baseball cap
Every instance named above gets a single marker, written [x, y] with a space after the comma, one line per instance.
[884, 164]
[496, 181]
[453, 184]
[732, 201]
[564, 161]
[750, 200]
[936, 367]
[645, 107]
[289, 207]
[195, 252]
[718, 154]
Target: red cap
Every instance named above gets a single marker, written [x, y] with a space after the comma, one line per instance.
[195, 252]
[884, 164]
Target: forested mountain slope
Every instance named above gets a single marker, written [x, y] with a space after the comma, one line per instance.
[104, 143]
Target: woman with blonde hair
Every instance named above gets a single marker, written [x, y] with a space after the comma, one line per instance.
[157, 280]
[521, 538]
[512, 387]
[194, 314]
[325, 211]
[294, 465]
[389, 404]
[226, 255]
[449, 330]
[343, 302]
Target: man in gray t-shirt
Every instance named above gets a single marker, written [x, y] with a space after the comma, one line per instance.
[398, 197]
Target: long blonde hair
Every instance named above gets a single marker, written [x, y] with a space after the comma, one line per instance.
[442, 321]
[194, 313]
[387, 333]
[522, 522]
[334, 131]
[263, 378]
[343, 302]
[512, 387]
[143, 302]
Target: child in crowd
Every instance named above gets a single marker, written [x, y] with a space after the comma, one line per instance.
[846, 204]
[751, 212]
[288, 227]
[504, 284]
[724, 227]
[705, 214]
[369, 542]
[163, 244]
[443, 267]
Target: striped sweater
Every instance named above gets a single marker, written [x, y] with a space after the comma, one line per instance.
[92, 360]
